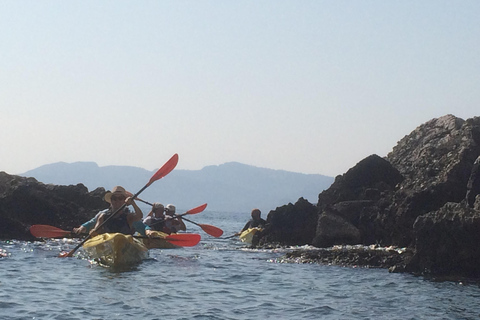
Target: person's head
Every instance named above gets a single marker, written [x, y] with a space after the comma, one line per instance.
[256, 214]
[158, 209]
[170, 209]
[116, 197]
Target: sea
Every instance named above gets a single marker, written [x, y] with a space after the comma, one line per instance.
[220, 278]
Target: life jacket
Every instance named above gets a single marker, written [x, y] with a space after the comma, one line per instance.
[118, 224]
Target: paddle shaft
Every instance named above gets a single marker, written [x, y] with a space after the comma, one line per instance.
[211, 230]
[174, 216]
[163, 171]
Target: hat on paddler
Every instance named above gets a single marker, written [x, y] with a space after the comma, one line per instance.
[117, 190]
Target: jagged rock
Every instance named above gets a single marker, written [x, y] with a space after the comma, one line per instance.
[333, 229]
[364, 256]
[473, 185]
[430, 180]
[365, 181]
[436, 161]
[447, 242]
[291, 224]
[25, 201]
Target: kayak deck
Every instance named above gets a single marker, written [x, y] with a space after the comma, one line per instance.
[116, 249]
[247, 235]
[158, 242]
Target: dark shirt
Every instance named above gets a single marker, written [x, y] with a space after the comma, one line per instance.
[119, 223]
[252, 223]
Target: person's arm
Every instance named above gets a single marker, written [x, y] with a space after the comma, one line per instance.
[140, 227]
[87, 226]
[138, 212]
[179, 224]
[247, 225]
[100, 220]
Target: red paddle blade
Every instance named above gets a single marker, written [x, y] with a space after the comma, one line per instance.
[46, 231]
[184, 239]
[211, 230]
[165, 169]
[197, 209]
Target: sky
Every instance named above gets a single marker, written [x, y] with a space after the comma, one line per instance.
[304, 86]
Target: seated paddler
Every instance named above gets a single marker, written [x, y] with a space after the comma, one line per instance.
[155, 219]
[123, 221]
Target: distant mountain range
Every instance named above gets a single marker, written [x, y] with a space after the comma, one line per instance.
[230, 187]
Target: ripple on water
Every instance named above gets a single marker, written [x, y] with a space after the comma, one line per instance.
[216, 281]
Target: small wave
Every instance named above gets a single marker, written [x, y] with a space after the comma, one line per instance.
[320, 311]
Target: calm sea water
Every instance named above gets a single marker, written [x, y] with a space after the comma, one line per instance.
[218, 279]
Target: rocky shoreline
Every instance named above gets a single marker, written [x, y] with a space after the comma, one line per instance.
[372, 256]
[416, 210]
[423, 196]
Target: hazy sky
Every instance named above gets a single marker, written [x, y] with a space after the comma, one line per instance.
[303, 86]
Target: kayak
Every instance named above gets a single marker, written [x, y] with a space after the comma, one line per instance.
[247, 235]
[116, 249]
[159, 241]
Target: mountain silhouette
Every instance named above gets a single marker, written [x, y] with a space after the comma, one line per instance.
[230, 187]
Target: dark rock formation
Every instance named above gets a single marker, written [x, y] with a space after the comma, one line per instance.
[360, 197]
[423, 195]
[436, 160]
[25, 201]
[447, 241]
[371, 256]
[291, 224]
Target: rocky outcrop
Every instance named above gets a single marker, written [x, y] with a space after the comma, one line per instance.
[424, 195]
[291, 224]
[436, 160]
[25, 201]
[361, 197]
[447, 241]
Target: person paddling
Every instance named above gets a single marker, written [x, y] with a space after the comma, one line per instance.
[173, 223]
[155, 219]
[123, 221]
[255, 222]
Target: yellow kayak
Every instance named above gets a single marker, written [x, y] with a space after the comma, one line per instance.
[247, 235]
[116, 249]
[158, 242]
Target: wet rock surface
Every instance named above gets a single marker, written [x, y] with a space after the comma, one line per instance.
[424, 195]
[392, 258]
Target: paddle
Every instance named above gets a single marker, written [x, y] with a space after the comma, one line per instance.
[179, 239]
[162, 172]
[211, 230]
[183, 239]
[46, 231]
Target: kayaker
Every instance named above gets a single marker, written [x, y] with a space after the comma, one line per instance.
[123, 221]
[155, 219]
[255, 222]
[174, 224]
[139, 226]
